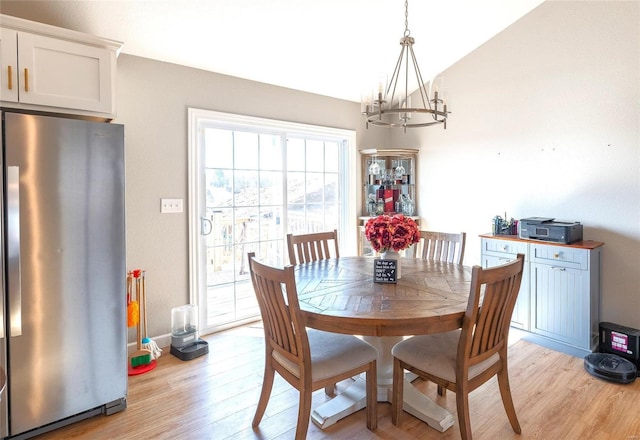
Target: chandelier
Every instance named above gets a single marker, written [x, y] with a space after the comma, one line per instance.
[392, 107]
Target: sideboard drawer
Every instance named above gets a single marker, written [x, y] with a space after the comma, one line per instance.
[560, 256]
[504, 248]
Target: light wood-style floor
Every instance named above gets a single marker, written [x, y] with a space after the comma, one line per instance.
[214, 397]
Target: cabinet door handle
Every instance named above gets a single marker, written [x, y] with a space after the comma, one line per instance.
[10, 77]
[558, 268]
[26, 80]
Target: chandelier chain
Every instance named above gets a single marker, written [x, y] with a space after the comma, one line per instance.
[407, 32]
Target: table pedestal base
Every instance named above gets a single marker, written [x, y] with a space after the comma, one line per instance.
[353, 398]
[347, 402]
[420, 406]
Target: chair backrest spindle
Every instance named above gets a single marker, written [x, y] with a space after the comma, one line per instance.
[441, 246]
[486, 323]
[278, 301]
[306, 248]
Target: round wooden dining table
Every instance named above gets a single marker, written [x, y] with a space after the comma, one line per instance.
[340, 295]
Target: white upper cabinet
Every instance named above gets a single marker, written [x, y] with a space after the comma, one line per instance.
[56, 70]
[9, 57]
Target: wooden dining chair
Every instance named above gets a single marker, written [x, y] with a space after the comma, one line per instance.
[441, 246]
[463, 359]
[308, 359]
[305, 248]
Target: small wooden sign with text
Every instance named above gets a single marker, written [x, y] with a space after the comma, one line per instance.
[384, 271]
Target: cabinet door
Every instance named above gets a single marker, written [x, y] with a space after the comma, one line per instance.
[64, 74]
[9, 69]
[560, 303]
[521, 311]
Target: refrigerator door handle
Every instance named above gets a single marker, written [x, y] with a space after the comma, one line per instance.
[13, 251]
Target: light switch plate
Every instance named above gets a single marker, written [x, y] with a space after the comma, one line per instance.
[170, 206]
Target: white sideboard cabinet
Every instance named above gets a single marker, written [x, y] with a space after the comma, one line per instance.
[56, 70]
[559, 301]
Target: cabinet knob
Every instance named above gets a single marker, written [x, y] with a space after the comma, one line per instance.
[556, 255]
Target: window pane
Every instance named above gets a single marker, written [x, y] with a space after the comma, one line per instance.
[221, 227]
[314, 217]
[270, 152]
[331, 216]
[271, 227]
[331, 188]
[296, 187]
[315, 188]
[331, 157]
[218, 148]
[245, 188]
[296, 219]
[273, 252]
[295, 154]
[219, 187]
[245, 150]
[315, 155]
[270, 188]
[246, 302]
[246, 225]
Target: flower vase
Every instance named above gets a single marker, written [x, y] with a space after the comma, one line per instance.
[393, 255]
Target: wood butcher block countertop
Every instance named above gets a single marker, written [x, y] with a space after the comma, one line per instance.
[584, 244]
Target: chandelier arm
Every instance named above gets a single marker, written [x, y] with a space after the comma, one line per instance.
[394, 78]
[406, 77]
[426, 103]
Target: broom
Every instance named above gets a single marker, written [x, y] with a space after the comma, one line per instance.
[147, 343]
[141, 356]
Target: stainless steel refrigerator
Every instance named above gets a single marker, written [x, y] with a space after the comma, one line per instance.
[63, 333]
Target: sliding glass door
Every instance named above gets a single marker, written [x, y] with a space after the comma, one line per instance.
[256, 184]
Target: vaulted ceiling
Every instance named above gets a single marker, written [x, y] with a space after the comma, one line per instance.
[330, 47]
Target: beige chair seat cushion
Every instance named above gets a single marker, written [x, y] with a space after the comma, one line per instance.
[436, 354]
[332, 354]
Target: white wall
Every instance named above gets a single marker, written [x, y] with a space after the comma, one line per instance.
[153, 98]
[545, 122]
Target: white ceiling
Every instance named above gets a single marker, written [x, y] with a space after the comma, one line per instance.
[330, 47]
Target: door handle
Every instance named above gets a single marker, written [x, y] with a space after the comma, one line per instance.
[13, 251]
[204, 223]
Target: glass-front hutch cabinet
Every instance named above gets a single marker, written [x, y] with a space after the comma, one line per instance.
[389, 187]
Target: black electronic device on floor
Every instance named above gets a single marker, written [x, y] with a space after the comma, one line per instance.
[610, 367]
[619, 357]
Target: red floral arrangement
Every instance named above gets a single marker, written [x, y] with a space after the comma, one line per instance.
[391, 232]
